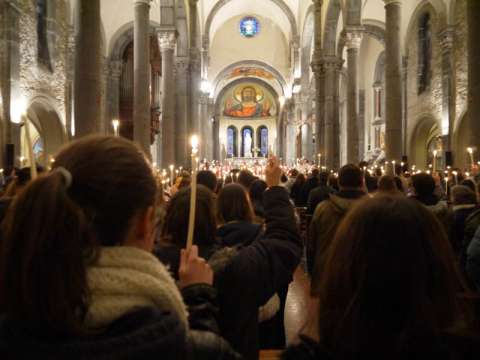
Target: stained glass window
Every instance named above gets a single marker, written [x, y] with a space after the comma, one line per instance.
[263, 140]
[249, 26]
[231, 142]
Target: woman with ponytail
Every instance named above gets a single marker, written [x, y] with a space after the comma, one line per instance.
[77, 277]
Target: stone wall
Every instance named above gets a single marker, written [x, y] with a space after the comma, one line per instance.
[35, 80]
[429, 103]
[461, 59]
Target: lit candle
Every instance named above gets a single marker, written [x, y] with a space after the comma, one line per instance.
[435, 152]
[171, 174]
[394, 170]
[455, 175]
[446, 186]
[470, 152]
[193, 192]
[319, 160]
[33, 165]
[116, 125]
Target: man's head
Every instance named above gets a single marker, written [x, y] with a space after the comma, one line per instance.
[208, 179]
[350, 177]
[424, 185]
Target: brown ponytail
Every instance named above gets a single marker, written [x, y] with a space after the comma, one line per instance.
[54, 227]
[43, 278]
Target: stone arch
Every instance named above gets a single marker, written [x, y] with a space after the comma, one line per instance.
[461, 138]
[218, 87]
[374, 29]
[124, 36]
[331, 23]
[427, 128]
[221, 3]
[439, 11]
[47, 120]
[307, 45]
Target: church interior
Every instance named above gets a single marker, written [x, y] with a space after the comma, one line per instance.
[340, 81]
[284, 106]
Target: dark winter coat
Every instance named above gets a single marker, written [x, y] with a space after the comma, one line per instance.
[473, 260]
[247, 276]
[457, 231]
[445, 347]
[324, 225]
[143, 333]
[238, 233]
[317, 195]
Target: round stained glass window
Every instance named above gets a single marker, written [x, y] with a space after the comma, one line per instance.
[249, 26]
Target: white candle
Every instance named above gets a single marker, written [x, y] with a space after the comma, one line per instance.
[394, 170]
[193, 192]
[435, 152]
[171, 174]
[455, 175]
[446, 186]
[470, 152]
[116, 125]
[33, 165]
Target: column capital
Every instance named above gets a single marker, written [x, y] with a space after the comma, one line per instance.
[331, 63]
[166, 40]
[447, 37]
[116, 67]
[392, 2]
[141, 2]
[353, 37]
[318, 2]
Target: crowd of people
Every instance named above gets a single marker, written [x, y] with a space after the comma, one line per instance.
[95, 262]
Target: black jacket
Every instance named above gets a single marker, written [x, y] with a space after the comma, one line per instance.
[144, 333]
[238, 233]
[317, 195]
[252, 274]
[445, 347]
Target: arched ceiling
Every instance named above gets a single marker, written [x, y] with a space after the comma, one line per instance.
[216, 13]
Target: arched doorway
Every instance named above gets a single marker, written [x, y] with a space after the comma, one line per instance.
[47, 133]
[425, 138]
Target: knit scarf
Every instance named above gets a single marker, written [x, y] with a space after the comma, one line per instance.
[124, 278]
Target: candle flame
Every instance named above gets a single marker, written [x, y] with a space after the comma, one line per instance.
[470, 150]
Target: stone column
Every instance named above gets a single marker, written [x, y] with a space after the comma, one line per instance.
[88, 69]
[141, 75]
[473, 11]
[195, 69]
[205, 130]
[181, 112]
[354, 40]
[319, 78]
[331, 66]
[393, 81]
[167, 86]
[448, 88]
[115, 67]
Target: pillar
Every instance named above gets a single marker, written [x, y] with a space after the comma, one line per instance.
[195, 70]
[141, 75]
[167, 86]
[473, 14]
[393, 81]
[206, 129]
[354, 40]
[116, 67]
[319, 79]
[88, 69]
[181, 112]
[448, 90]
[331, 67]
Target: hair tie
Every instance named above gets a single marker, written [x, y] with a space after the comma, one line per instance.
[67, 176]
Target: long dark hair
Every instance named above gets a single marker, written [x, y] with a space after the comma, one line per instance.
[233, 204]
[55, 226]
[175, 226]
[390, 280]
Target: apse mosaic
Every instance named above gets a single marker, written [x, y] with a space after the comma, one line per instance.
[249, 101]
[249, 26]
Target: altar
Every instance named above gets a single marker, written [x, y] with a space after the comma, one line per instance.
[248, 162]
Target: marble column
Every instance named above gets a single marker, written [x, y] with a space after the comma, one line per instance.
[205, 130]
[331, 66]
[141, 75]
[473, 15]
[167, 86]
[88, 69]
[354, 40]
[319, 77]
[393, 81]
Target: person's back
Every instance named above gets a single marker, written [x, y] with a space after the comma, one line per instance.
[464, 202]
[327, 217]
[319, 194]
[390, 290]
[82, 283]
[248, 275]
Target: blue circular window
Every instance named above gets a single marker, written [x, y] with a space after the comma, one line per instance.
[249, 26]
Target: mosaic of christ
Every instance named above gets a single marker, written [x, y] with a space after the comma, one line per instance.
[249, 101]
